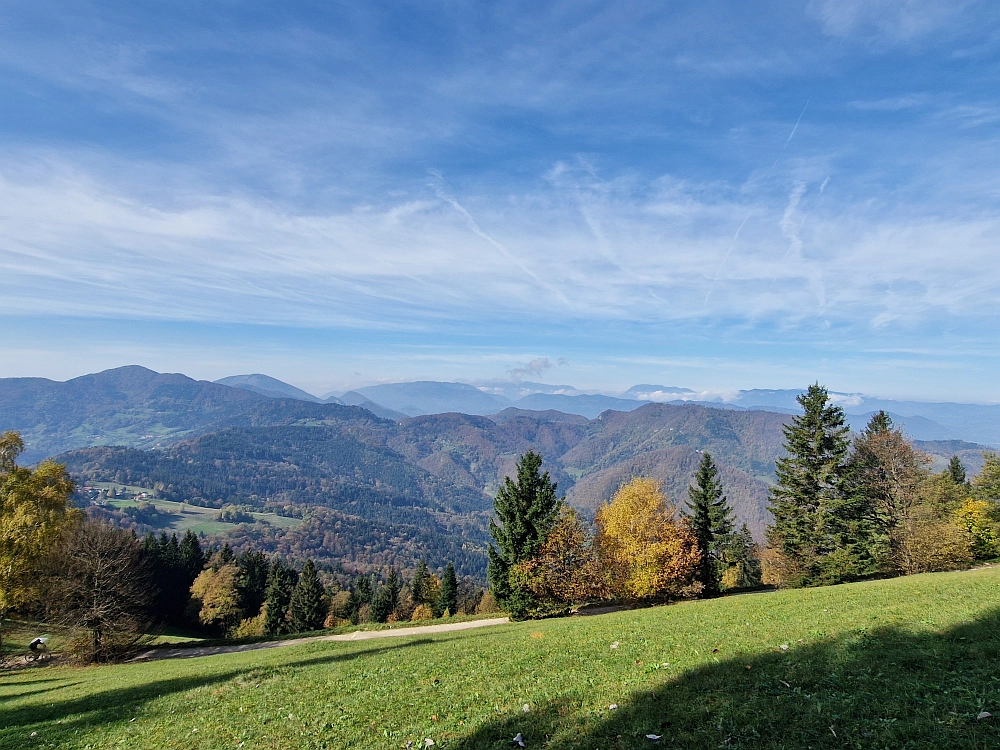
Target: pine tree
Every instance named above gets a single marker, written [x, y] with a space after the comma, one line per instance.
[711, 522]
[524, 513]
[808, 503]
[308, 605]
[957, 470]
[419, 583]
[448, 600]
[385, 599]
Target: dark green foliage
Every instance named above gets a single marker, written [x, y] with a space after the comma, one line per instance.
[386, 598]
[364, 589]
[281, 581]
[170, 582]
[419, 583]
[957, 470]
[191, 556]
[252, 581]
[448, 601]
[814, 515]
[524, 512]
[741, 553]
[309, 603]
[712, 523]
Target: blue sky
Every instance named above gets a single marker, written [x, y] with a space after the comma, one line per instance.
[717, 195]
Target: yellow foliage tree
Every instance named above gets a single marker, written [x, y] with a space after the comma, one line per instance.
[34, 513]
[978, 517]
[932, 543]
[215, 593]
[646, 552]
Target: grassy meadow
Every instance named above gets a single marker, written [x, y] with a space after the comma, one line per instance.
[903, 663]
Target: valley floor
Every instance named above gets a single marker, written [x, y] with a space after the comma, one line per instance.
[905, 663]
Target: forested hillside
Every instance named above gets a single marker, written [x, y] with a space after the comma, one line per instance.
[138, 407]
[373, 491]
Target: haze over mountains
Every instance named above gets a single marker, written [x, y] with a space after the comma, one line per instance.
[379, 490]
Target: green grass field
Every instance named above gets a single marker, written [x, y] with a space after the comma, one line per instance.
[184, 516]
[904, 663]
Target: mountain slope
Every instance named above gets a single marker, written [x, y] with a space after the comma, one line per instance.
[138, 407]
[265, 385]
[431, 397]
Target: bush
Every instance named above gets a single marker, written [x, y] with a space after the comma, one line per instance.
[933, 544]
[422, 612]
[487, 604]
[249, 628]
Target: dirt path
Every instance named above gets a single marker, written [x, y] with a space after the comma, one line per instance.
[357, 635]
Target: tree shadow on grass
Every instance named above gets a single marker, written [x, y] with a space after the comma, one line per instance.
[119, 705]
[887, 688]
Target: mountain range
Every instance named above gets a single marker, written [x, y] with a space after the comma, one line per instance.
[377, 490]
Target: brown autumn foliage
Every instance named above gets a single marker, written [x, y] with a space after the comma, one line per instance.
[566, 569]
[647, 553]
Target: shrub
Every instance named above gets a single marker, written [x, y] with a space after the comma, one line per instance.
[422, 612]
[250, 627]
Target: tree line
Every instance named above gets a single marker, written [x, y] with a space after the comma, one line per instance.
[641, 548]
[844, 508]
[115, 589]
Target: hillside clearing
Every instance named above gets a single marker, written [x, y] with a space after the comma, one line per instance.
[909, 662]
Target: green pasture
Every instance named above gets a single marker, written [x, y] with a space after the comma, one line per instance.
[184, 516]
[903, 663]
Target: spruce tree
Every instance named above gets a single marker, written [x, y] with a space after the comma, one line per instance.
[385, 599]
[957, 470]
[448, 601]
[280, 582]
[524, 513]
[192, 557]
[309, 605]
[741, 553]
[711, 521]
[809, 503]
[419, 583]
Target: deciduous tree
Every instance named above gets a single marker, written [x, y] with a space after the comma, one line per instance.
[647, 553]
[97, 581]
[34, 513]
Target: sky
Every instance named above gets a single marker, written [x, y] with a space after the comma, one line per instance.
[717, 195]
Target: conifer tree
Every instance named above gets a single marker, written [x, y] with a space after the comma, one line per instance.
[419, 584]
[711, 522]
[809, 500]
[448, 600]
[524, 513]
[192, 557]
[743, 564]
[957, 470]
[280, 583]
[385, 599]
[308, 604]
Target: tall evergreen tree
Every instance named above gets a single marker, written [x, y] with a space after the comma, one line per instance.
[448, 600]
[809, 503]
[712, 522]
[385, 598]
[957, 470]
[252, 581]
[191, 556]
[524, 512]
[418, 585]
[280, 582]
[308, 605]
[741, 556]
